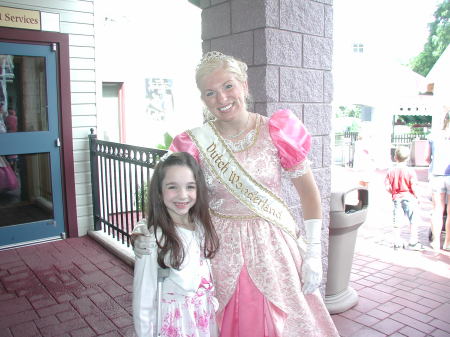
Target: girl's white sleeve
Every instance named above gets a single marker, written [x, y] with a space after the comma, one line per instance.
[144, 293]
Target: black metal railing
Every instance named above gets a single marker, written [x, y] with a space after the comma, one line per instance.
[352, 135]
[119, 176]
[406, 138]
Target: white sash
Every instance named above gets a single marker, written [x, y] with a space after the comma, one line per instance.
[258, 198]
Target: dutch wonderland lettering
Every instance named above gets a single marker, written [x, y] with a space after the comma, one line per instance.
[234, 178]
[255, 196]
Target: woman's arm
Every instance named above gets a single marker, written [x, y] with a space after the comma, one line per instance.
[308, 191]
[293, 143]
[309, 195]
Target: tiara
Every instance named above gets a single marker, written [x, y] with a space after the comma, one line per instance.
[212, 56]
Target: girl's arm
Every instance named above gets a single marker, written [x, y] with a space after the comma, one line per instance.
[144, 292]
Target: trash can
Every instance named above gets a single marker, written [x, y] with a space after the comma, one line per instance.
[348, 211]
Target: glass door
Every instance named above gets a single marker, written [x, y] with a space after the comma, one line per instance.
[31, 207]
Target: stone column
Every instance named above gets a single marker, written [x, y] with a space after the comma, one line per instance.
[287, 45]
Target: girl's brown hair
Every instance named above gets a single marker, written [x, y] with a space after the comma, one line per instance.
[169, 243]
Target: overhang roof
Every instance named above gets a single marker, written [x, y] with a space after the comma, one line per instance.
[195, 2]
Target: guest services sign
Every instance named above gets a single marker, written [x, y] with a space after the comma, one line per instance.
[20, 18]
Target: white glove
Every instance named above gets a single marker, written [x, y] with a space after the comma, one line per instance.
[312, 271]
[141, 245]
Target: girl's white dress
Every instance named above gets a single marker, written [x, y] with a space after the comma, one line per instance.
[187, 303]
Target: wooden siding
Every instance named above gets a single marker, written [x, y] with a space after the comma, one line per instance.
[77, 20]
[83, 110]
[85, 87]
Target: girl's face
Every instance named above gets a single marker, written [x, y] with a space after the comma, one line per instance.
[179, 192]
[224, 95]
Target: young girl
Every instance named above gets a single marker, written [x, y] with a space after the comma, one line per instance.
[182, 239]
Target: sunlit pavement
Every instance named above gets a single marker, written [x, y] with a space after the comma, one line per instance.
[75, 288]
[401, 292]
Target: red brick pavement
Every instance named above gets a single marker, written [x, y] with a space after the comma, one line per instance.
[65, 288]
[75, 288]
[401, 293]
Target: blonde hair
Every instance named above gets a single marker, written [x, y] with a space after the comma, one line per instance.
[214, 60]
[402, 154]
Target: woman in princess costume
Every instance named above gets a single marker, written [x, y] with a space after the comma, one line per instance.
[266, 275]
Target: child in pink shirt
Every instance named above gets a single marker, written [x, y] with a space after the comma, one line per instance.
[401, 182]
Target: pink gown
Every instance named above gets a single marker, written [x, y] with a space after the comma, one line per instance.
[257, 268]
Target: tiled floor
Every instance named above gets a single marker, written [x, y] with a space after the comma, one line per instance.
[401, 293]
[75, 288]
[65, 288]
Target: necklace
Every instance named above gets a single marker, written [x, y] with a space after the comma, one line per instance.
[243, 143]
[242, 131]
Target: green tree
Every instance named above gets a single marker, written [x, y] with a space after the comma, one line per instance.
[438, 40]
[349, 111]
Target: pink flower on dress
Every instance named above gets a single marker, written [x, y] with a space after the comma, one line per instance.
[203, 321]
[168, 328]
[170, 331]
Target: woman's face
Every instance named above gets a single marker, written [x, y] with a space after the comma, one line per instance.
[224, 95]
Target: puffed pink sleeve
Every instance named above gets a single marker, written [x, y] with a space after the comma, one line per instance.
[290, 137]
[184, 143]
